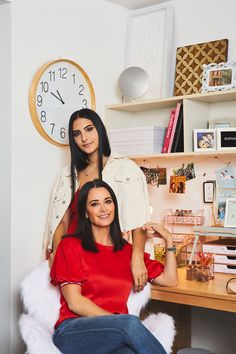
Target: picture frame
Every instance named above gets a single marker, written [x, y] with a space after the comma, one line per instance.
[148, 45]
[225, 177]
[226, 138]
[222, 123]
[189, 64]
[222, 194]
[230, 213]
[209, 191]
[219, 77]
[204, 140]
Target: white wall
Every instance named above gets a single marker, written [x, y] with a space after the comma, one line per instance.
[93, 34]
[202, 21]
[5, 176]
[89, 32]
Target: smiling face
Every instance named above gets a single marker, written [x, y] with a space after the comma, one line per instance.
[204, 144]
[85, 135]
[100, 207]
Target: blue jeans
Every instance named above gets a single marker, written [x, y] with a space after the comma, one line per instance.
[115, 334]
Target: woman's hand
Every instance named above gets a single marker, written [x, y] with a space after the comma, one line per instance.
[138, 267]
[169, 275]
[161, 231]
[139, 271]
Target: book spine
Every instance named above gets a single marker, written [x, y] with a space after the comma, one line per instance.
[168, 132]
[176, 116]
[178, 143]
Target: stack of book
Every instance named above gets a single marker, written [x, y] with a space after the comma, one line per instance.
[174, 138]
[138, 140]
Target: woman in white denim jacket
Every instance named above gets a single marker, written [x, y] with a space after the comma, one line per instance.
[91, 158]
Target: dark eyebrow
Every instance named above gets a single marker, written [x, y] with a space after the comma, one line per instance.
[96, 200]
[87, 126]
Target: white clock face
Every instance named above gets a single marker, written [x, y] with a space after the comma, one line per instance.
[62, 88]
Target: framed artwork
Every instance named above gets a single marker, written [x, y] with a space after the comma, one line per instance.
[230, 213]
[222, 123]
[209, 191]
[204, 139]
[148, 46]
[222, 195]
[225, 178]
[219, 77]
[189, 64]
[226, 138]
[177, 184]
[220, 212]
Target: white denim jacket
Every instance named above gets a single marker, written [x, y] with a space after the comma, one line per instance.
[127, 181]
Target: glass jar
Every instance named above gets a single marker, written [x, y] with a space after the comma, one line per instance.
[159, 252]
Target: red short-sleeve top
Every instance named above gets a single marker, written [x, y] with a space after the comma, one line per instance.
[105, 277]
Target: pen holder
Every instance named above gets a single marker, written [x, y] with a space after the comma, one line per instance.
[199, 272]
[203, 270]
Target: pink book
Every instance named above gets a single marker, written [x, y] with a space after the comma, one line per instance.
[172, 134]
[168, 132]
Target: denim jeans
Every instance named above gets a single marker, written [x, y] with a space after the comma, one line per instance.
[115, 334]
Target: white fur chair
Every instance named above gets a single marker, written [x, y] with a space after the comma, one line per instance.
[42, 302]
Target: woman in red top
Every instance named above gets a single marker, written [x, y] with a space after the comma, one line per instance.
[93, 272]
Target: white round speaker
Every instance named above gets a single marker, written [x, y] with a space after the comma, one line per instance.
[133, 82]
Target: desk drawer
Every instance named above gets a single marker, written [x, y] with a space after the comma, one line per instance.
[225, 268]
[231, 260]
[219, 249]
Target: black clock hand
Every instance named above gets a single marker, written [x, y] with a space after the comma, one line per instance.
[59, 98]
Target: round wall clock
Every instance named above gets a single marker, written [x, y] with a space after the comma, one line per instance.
[58, 88]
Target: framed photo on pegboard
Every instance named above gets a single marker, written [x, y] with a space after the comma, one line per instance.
[189, 64]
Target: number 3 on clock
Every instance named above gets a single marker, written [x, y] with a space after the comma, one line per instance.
[58, 88]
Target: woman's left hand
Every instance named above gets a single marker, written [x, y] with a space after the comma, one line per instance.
[139, 271]
[160, 230]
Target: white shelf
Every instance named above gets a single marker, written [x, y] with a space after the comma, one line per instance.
[141, 106]
[210, 97]
[188, 220]
[214, 154]
[214, 231]
[198, 110]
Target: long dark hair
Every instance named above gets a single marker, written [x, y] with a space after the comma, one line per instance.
[79, 160]
[84, 231]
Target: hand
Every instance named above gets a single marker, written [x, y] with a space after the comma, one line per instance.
[58, 97]
[161, 230]
[139, 272]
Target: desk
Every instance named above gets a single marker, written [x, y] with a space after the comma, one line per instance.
[211, 294]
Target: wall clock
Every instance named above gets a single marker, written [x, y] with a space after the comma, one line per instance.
[58, 88]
